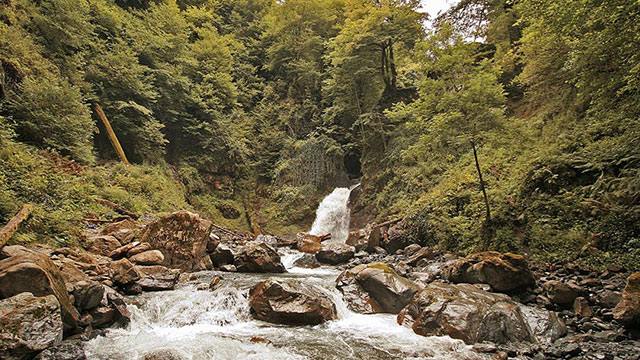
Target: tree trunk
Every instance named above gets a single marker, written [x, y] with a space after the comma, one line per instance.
[482, 187]
[111, 134]
[12, 226]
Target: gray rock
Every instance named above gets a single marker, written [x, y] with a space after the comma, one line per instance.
[29, 324]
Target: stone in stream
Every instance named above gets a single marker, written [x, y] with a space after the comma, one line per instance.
[33, 272]
[28, 324]
[308, 243]
[290, 302]
[182, 237]
[66, 350]
[150, 257]
[258, 258]
[375, 288]
[467, 313]
[503, 272]
[157, 278]
[335, 253]
[307, 261]
[628, 309]
[222, 255]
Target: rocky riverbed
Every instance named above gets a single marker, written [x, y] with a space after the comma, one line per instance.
[180, 287]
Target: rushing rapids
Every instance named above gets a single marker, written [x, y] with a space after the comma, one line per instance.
[200, 324]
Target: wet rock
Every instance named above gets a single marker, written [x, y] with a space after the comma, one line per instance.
[123, 272]
[163, 354]
[415, 256]
[562, 293]
[87, 294]
[307, 261]
[103, 316]
[103, 245]
[33, 272]
[335, 253]
[358, 240]
[308, 243]
[267, 239]
[66, 350]
[545, 325]
[28, 324]
[467, 313]
[215, 281]
[628, 310]
[222, 255]
[258, 258]
[182, 237]
[609, 298]
[228, 268]
[157, 278]
[290, 302]
[375, 288]
[581, 307]
[151, 257]
[504, 272]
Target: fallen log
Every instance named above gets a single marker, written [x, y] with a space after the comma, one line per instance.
[117, 208]
[12, 226]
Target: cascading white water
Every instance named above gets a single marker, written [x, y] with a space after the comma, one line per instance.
[332, 215]
[204, 325]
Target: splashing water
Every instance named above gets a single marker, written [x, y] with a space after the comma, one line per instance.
[205, 325]
[332, 215]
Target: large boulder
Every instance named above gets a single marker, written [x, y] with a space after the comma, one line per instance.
[182, 237]
[87, 294]
[157, 278]
[222, 255]
[28, 324]
[103, 244]
[30, 271]
[375, 288]
[335, 253]
[258, 258]
[628, 309]
[150, 257]
[395, 238]
[290, 302]
[545, 325]
[467, 313]
[502, 272]
[123, 272]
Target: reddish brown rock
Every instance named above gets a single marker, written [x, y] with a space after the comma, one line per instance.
[150, 257]
[30, 271]
[628, 309]
[335, 253]
[182, 237]
[308, 243]
[103, 245]
[258, 258]
[123, 272]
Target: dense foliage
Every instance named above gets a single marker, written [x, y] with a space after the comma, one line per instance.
[509, 124]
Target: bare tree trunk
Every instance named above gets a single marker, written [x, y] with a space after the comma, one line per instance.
[12, 226]
[111, 134]
[482, 187]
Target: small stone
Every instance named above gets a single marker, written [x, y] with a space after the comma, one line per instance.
[581, 307]
[214, 282]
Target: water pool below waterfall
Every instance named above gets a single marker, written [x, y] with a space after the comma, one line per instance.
[203, 324]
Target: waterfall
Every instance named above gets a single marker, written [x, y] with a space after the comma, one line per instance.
[332, 215]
